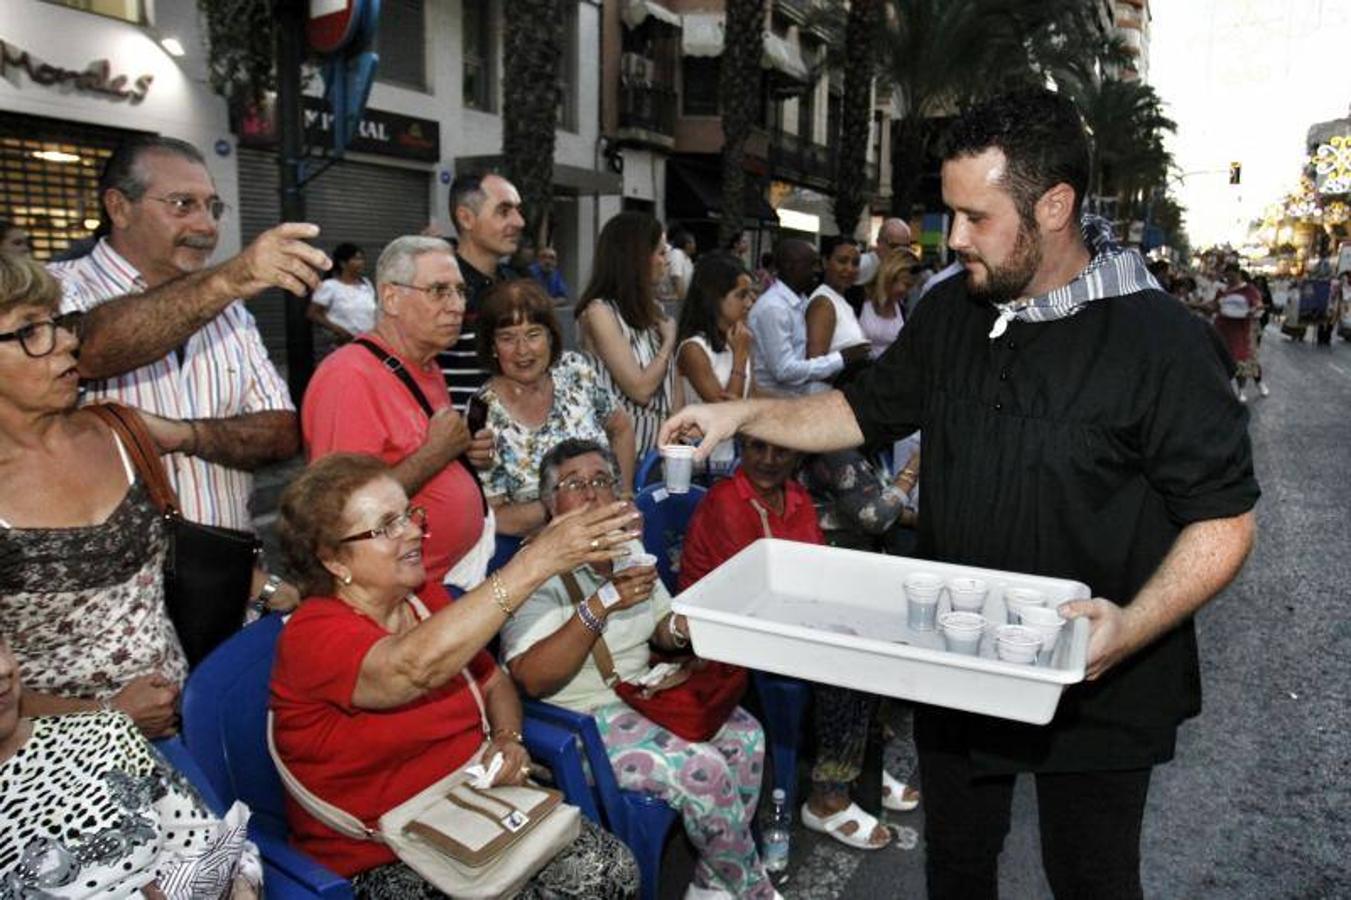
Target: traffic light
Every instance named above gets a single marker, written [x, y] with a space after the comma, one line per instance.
[1235, 172]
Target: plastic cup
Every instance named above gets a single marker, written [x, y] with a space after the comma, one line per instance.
[921, 595]
[1046, 622]
[962, 632]
[1017, 643]
[634, 561]
[678, 467]
[1017, 598]
[968, 594]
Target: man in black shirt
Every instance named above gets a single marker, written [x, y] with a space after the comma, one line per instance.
[1078, 423]
[486, 210]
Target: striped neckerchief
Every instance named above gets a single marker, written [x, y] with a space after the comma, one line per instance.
[1114, 271]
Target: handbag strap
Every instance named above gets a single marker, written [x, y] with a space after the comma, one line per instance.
[600, 651]
[396, 367]
[131, 430]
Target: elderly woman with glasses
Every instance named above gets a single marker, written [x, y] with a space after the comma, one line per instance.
[373, 690]
[548, 645]
[538, 395]
[81, 546]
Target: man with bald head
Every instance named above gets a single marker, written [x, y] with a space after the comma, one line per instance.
[779, 324]
[893, 235]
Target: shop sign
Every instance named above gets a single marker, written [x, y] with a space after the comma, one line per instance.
[96, 78]
[381, 133]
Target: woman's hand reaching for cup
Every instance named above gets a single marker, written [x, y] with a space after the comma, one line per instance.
[593, 534]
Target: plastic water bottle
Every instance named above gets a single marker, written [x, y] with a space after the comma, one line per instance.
[778, 834]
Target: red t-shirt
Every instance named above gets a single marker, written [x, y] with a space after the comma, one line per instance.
[362, 761]
[726, 522]
[355, 405]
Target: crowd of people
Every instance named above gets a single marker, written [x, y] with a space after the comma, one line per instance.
[1076, 422]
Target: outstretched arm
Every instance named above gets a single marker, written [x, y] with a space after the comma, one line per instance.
[1203, 560]
[239, 442]
[815, 424]
[134, 330]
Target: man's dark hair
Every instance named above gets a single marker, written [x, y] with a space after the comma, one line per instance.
[830, 244]
[1041, 135]
[467, 191]
[122, 173]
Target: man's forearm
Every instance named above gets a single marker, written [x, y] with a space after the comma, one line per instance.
[1205, 557]
[418, 468]
[134, 330]
[248, 441]
[816, 424]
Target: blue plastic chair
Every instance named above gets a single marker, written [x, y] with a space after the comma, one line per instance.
[784, 703]
[507, 545]
[666, 517]
[640, 820]
[225, 706]
[649, 471]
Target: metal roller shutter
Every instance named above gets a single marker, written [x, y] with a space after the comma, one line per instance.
[366, 204]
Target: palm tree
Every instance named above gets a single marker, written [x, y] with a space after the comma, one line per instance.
[739, 87]
[530, 98]
[851, 174]
[1128, 124]
[942, 55]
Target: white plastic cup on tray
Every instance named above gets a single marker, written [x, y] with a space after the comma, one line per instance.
[677, 463]
[1015, 599]
[921, 595]
[962, 632]
[967, 594]
[1017, 643]
[1046, 622]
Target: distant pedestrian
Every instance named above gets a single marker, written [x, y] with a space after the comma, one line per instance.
[545, 271]
[679, 266]
[893, 235]
[344, 305]
[1240, 307]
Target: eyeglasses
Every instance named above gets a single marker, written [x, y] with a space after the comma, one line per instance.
[394, 528]
[183, 205]
[441, 293]
[578, 485]
[39, 338]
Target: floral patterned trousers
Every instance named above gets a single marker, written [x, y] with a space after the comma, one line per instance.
[713, 785]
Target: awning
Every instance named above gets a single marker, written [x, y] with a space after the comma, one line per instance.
[636, 12]
[694, 193]
[704, 34]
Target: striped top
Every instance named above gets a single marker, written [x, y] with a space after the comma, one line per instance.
[224, 372]
[460, 363]
[645, 345]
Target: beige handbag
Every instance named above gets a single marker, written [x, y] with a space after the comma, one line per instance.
[466, 841]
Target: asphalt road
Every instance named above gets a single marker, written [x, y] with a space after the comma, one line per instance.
[1257, 803]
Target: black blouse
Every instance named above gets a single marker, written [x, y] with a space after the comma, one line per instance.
[1079, 449]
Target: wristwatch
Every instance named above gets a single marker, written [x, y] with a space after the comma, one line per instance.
[260, 603]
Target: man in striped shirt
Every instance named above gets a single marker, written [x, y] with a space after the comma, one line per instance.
[486, 210]
[166, 334]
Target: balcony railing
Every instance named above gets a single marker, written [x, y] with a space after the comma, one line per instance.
[647, 108]
[794, 159]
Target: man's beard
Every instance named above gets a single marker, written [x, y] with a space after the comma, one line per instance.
[1008, 281]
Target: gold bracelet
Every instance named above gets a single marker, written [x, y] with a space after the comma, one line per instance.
[500, 595]
[509, 732]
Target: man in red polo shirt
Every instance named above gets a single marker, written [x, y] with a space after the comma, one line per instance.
[356, 403]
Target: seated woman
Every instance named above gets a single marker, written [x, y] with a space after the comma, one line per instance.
[81, 546]
[763, 500]
[713, 341]
[548, 647]
[131, 822]
[369, 690]
[538, 395]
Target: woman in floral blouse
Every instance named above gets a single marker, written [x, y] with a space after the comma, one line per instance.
[538, 396]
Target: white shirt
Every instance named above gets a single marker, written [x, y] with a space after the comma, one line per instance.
[848, 332]
[721, 364]
[779, 358]
[225, 372]
[350, 306]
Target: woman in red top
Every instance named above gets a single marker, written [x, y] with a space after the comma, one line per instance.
[370, 687]
[763, 500]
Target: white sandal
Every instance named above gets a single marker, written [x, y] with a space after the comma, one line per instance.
[861, 837]
[893, 794]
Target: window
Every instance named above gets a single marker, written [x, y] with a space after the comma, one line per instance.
[806, 115]
[567, 69]
[700, 75]
[480, 62]
[834, 116]
[401, 40]
[126, 10]
[49, 172]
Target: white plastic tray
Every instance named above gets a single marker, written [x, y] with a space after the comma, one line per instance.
[839, 617]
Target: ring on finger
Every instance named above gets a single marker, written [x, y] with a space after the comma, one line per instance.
[595, 543]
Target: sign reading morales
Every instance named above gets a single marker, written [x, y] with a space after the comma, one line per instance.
[96, 78]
